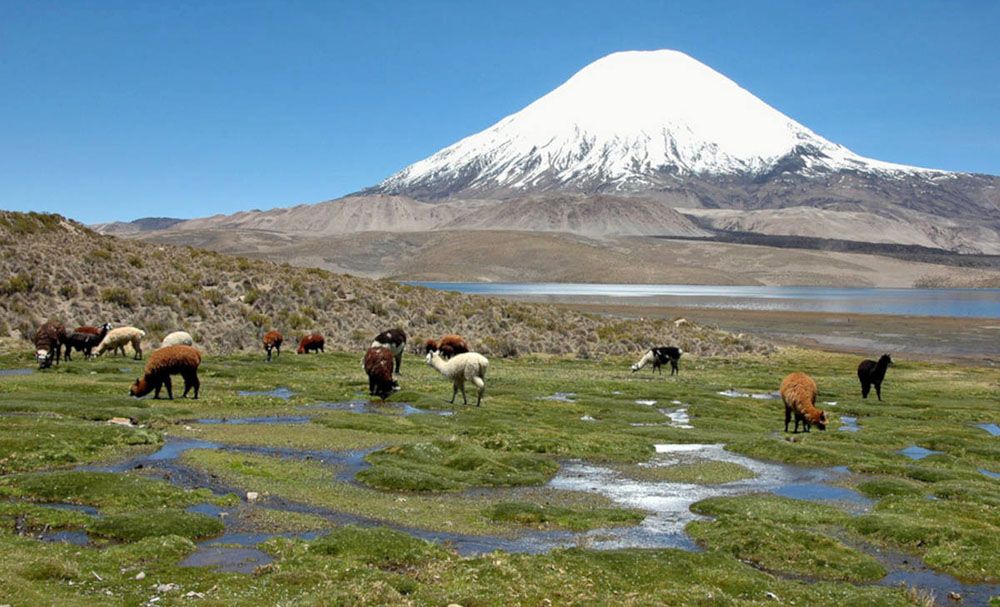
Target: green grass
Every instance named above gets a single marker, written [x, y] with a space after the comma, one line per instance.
[481, 471]
[140, 524]
[778, 535]
[105, 490]
[452, 465]
[560, 517]
[701, 472]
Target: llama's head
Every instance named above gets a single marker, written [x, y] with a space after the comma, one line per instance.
[886, 359]
[44, 357]
[820, 420]
[429, 346]
[139, 388]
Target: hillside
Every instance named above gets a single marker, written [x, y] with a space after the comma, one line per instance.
[57, 268]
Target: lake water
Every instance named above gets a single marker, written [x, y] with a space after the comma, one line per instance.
[969, 303]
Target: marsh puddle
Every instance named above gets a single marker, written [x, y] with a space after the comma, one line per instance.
[912, 571]
[677, 418]
[648, 403]
[986, 472]
[848, 424]
[282, 393]
[92, 511]
[669, 502]
[819, 492]
[915, 453]
[562, 397]
[731, 393]
[4, 372]
[361, 406]
[66, 536]
[227, 558]
[264, 420]
[993, 429]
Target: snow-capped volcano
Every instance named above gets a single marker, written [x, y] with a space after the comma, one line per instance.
[631, 121]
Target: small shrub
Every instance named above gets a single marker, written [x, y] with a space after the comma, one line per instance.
[68, 291]
[135, 261]
[20, 283]
[119, 296]
[214, 296]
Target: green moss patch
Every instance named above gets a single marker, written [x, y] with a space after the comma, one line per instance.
[105, 490]
[701, 472]
[451, 466]
[575, 519]
[134, 526]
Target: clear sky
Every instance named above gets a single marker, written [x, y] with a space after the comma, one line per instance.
[118, 110]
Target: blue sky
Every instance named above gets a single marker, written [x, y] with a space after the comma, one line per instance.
[117, 110]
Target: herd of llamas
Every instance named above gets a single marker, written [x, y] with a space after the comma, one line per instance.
[450, 356]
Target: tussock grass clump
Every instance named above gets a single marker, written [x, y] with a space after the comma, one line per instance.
[575, 519]
[783, 536]
[884, 487]
[453, 465]
[379, 547]
[49, 568]
[31, 442]
[105, 490]
[700, 472]
[140, 524]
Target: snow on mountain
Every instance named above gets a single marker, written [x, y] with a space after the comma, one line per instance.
[624, 123]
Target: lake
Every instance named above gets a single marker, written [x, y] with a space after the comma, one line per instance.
[965, 303]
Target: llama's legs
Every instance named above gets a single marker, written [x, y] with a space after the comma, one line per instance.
[195, 382]
[674, 369]
[865, 388]
[788, 417]
[156, 388]
[454, 391]
[798, 418]
[878, 390]
[481, 387]
[465, 401]
[169, 387]
[268, 359]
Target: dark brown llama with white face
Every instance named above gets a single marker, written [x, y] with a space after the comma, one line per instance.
[395, 341]
[872, 373]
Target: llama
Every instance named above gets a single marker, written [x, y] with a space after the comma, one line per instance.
[448, 346]
[799, 391]
[163, 363]
[872, 373]
[378, 364]
[395, 341]
[468, 366]
[272, 341]
[116, 339]
[312, 342]
[93, 330]
[177, 338]
[659, 357]
[85, 341]
[49, 340]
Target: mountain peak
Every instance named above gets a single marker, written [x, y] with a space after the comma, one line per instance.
[628, 122]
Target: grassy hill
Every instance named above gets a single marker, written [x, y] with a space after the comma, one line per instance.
[53, 267]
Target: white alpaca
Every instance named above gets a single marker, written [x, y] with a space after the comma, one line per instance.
[469, 366]
[117, 338]
[177, 338]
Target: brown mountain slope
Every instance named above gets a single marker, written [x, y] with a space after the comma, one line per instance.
[55, 268]
[559, 257]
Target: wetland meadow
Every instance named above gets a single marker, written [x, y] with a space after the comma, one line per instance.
[576, 482]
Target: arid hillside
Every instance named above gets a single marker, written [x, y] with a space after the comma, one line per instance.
[51, 267]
